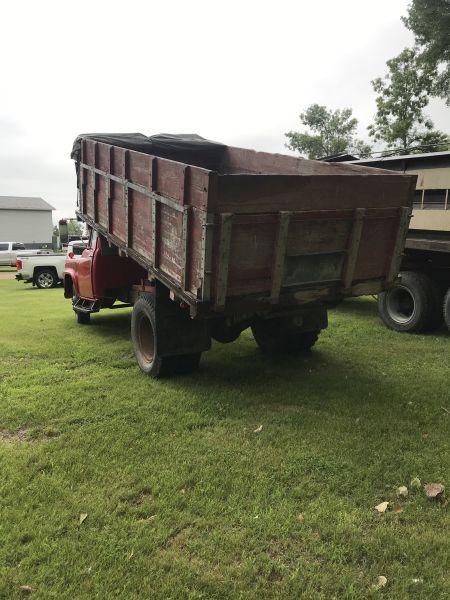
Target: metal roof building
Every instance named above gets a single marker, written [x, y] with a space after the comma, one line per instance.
[27, 220]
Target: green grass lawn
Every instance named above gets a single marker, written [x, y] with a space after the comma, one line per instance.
[184, 499]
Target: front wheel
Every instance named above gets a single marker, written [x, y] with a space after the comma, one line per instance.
[46, 279]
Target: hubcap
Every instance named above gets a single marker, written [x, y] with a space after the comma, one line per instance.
[146, 339]
[45, 280]
[400, 305]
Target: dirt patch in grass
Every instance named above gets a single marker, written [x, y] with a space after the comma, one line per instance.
[8, 436]
[7, 274]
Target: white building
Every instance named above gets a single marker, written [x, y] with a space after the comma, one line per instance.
[26, 220]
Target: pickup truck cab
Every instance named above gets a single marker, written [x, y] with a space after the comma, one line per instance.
[46, 271]
[10, 250]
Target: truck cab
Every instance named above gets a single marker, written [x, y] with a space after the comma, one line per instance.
[8, 252]
[99, 277]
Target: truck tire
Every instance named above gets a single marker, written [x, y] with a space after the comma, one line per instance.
[46, 279]
[413, 305]
[279, 336]
[83, 318]
[143, 335]
[223, 333]
[447, 309]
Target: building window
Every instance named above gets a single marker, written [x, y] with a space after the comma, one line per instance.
[434, 199]
[418, 199]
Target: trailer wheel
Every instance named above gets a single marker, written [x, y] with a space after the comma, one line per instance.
[280, 336]
[447, 309]
[46, 279]
[143, 335]
[413, 305]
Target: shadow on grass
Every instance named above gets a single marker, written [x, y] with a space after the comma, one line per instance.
[359, 306]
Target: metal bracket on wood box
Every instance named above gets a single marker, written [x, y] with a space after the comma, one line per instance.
[184, 247]
[353, 248]
[223, 259]
[405, 216]
[279, 255]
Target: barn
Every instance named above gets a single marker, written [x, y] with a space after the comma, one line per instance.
[27, 220]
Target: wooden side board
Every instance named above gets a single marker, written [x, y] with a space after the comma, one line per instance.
[214, 237]
[156, 207]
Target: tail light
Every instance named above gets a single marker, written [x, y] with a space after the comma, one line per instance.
[71, 255]
[18, 264]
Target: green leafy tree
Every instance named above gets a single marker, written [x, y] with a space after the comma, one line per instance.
[402, 95]
[329, 132]
[429, 20]
[74, 227]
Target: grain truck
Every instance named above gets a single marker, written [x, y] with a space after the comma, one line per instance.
[205, 240]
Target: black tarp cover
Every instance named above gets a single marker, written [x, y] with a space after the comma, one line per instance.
[188, 148]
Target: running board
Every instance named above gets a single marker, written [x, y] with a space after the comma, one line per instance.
[86, 306]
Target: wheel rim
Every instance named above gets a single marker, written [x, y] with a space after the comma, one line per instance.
[400, 305]
[45, 280]
[146, 339]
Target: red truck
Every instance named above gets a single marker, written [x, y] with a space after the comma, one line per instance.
[205, 240]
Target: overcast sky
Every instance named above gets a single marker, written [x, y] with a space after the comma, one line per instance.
[236, 72]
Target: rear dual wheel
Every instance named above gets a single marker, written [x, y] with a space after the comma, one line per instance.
[281, 336]
[446, 309]
[413, 306]
[143, 334]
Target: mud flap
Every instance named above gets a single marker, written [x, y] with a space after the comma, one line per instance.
[176, 332]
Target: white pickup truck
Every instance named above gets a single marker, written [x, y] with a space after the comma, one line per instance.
[46, 271]
[10, 250]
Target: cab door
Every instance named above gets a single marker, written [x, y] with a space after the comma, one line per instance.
[84, 268]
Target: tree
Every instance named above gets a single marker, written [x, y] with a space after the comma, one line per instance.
[330, 132]
[429, 20]
[402, 95]
[74, 227]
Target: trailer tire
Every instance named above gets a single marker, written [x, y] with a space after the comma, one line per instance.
[143, 335]
[46, 279]
[274, 337]
[413, 305]
[446, 309]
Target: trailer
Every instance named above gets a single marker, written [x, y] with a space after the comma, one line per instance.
[205, 240]
[421, 299]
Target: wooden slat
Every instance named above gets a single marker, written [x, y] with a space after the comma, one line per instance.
[126, 202]
[206, 256]
[108, 190]
[184, 248]
[353, 247]
[223, 259]
[155, 240]
[95, 184]
[403, 224]
[279, 255]
[82, 174]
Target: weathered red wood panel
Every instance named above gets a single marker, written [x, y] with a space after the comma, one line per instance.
[164, 219]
